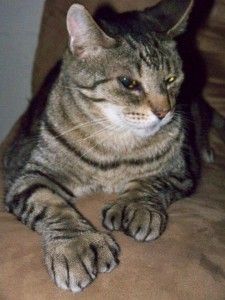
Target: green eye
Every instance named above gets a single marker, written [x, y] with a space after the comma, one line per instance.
[170, 79]
[129, 83]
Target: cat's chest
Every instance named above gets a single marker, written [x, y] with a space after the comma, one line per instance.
[116, 180]
[111, 172]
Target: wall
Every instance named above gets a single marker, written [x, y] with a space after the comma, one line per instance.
[19, 27]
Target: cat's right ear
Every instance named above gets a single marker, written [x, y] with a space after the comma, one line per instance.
[86, 37]
[169, 16]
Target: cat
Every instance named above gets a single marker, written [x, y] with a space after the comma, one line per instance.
[112, 123]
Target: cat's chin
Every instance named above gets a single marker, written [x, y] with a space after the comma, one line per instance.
[146, 131]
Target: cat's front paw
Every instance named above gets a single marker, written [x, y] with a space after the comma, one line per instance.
[138, 219]
[74, 263]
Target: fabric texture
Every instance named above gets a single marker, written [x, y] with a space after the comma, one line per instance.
[188, 260]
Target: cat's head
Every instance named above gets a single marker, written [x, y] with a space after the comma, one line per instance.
[131, 74]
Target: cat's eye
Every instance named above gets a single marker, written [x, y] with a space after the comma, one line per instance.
[170, 79]
[129, 83]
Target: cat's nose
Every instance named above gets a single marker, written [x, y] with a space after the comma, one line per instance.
[161, 113]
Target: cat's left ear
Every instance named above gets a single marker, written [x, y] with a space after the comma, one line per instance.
[86, 37]
[170, 16]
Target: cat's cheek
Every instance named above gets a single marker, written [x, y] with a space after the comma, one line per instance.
[113, 113]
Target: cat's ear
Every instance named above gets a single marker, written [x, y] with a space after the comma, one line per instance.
[84, 33]
[170, 16]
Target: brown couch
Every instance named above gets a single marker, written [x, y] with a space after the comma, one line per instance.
[188, 261]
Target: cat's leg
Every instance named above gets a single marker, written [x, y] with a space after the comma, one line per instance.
[141, 210]
[75, 252]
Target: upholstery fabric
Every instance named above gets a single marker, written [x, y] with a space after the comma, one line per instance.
[188, 260]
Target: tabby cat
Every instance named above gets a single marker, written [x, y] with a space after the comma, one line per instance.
[112, 123]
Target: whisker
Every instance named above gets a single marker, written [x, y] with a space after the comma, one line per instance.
[184, 117]
[112, 126]
[95, 133]
[102, 121]
[86, 124]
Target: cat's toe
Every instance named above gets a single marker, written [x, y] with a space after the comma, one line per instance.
[137, 223]
[143, 223]
[67, 273]
[112, 216]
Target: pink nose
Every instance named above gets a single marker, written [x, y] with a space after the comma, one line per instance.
[161, 113]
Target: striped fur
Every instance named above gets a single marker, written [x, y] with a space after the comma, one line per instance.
[94, 134]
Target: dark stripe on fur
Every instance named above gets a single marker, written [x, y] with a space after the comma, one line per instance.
[85, 268]
[84, 87]
[142, 57]
[53, 268]
[52, 179]
[23, 197]
[56, 221]
[91, 98]
[39, 217]
[103, 166]
[67, 272]
[95, 253]
[63, 237]
[28, 214]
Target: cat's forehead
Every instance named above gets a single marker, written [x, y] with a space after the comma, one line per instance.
[149, 49]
